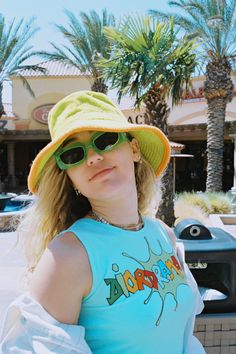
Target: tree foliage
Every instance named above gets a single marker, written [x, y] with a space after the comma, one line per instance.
[212, 22]
[86, 41]
[15, 49]
[146, 54]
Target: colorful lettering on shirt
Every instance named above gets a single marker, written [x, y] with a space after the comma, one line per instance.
[115, 290]
[145, 277]
[161, 273]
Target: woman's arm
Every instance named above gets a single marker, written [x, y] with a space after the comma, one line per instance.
[45, 320]
[62, 278]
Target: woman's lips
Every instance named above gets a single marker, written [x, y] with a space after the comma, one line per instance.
[101, 173]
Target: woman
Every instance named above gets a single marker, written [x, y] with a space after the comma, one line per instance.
[98, 263]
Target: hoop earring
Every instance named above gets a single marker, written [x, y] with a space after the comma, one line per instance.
[140, 161]
[77, 192]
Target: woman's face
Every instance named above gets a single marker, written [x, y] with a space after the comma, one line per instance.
[108, 174]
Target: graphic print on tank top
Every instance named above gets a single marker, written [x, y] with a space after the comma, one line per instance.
[161, 272]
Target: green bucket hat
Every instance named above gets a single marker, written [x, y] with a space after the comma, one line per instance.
[93, 111]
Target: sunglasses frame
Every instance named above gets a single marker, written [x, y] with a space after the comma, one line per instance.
[122, 137]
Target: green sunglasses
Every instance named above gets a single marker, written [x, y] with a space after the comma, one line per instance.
[76, 153]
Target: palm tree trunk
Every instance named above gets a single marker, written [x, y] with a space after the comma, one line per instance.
[165, 211]
[218, 90]
[1, 104]
[215, 143]
[157, 112]
[99, 86]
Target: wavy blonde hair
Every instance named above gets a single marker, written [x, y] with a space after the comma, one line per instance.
[50, 213]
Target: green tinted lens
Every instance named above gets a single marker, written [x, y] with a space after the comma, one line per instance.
[72, 156]
[106, 141]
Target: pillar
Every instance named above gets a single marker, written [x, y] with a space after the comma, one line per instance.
[11, 163]
[233, 189]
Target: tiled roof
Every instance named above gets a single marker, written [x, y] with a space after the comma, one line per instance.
[176, 148]
[176, 145]
[57, 68]
[54, 68]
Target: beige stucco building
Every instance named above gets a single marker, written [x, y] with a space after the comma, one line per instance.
[26, 131]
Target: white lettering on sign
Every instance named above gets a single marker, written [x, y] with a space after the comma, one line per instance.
[40, 114]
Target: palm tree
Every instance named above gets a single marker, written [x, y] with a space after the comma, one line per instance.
[150, 64]
[213, 22]
[15, 51]
[87, 44]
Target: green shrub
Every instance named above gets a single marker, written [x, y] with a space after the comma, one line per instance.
[220, 202]
[208, 202]
[196, 199]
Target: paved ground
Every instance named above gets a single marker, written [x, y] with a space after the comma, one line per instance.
[226, 222]
[12, 266]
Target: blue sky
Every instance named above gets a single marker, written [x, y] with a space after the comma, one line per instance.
[48, 12]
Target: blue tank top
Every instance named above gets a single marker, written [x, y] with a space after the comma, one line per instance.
[140, 302]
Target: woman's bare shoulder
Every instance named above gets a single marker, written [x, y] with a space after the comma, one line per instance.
[67, 244]
[69, 253]
[62, 276]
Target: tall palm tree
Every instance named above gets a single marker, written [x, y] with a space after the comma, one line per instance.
[149, 63]
[213, 22]
[15, 51]
[87, 44]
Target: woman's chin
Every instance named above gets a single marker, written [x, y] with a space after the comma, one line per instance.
[106, 192]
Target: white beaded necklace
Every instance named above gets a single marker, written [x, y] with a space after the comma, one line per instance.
[131, 227]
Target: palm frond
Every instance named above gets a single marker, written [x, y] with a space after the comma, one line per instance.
[15, 49]
[145, 53]
[86, 41]
[27, 85]
[213, 22]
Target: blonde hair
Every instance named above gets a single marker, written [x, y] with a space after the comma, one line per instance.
[50, 213]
